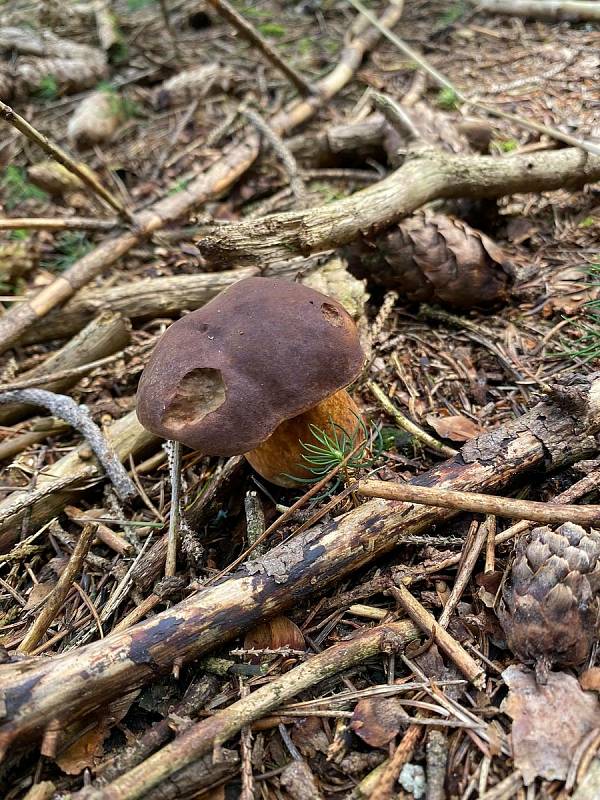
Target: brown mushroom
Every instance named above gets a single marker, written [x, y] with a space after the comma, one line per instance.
[250, 372]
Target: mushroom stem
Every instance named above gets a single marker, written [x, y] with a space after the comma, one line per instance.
[281, 455]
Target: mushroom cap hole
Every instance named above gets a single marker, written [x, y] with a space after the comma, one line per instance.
[198, 393]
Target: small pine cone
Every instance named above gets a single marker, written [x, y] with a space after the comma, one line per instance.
[549, 609]
[433, 257]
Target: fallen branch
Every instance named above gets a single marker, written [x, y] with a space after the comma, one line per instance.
[572, 10]
[55, 224]
[63, 407]
[74, 683]
[548, 513]
[219, 177]
[427, 175]
[209, 734]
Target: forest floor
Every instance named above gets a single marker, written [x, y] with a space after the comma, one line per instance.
[454, 367]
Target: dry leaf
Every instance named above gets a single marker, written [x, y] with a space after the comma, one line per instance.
[549, 721]
[378, 719]
[275, 634]
[457, 428]
[88, 747]
[39, 592]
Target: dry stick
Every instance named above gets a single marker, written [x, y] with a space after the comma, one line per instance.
[79, 418]
[58, 595]
[463, 575]
[437, 762]
[174, 457]
[71, 685]
[490, 545]
[586, 485]
[40, 430]
[54, 224]
[216, 730]
[285, 156]
[443, 81]
[573, 10]
[58, 154]
[453, 649]
[384, 788]
[427, 175]
[61, 374]
[219, 177]
[552, 513]
[245, 29]
[407, 424]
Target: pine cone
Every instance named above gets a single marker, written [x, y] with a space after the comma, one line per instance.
[433, 257]
[549, 609]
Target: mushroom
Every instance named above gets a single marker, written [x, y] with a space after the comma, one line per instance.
[250, 372]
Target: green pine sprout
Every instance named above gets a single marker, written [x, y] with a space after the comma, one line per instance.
[333, 447]
[588, 346]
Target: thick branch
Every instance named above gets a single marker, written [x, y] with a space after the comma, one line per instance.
[77, 682]
[428, 175]
[543, 9]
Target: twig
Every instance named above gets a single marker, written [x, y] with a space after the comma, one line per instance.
[164, 10]
[174, 458]
[202, 737]
[490, 546]
[437, 761]
[247, 792]
[245, 29]
[58, 595]
[63, 407]
[285, 156]
[579, 489]
[59, 375]
[58, 154]
[442, 80]
[553, 513]
[255, 519]
[407, 424]
[395, 114]
[463, 575]
[453, 649]
[572, 10]
[384, 788]
[48, 426]
[26, 499]
[54, 224]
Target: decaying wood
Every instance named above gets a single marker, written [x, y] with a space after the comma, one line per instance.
[151, 297]
[216, 730]
[105, 335]
[427, 175]
[572, 10]
[219, 177]
[553, 433]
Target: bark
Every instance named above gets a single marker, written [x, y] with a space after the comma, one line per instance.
[543, 9]
[32, 694]
[219, 177]
[104, 336]
[428, 175]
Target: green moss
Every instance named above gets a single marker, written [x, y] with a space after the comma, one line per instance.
[16, 188]
[447, 99]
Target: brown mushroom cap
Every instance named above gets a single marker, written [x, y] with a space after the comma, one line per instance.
[222, 378]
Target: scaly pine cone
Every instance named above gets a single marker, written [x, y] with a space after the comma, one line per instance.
[549, 609]
[434, 257]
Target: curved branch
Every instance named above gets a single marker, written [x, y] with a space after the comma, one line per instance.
[427, 175]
